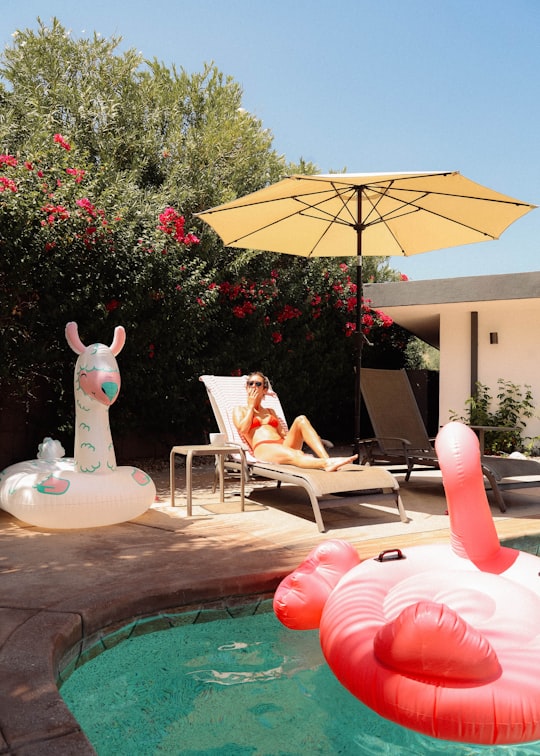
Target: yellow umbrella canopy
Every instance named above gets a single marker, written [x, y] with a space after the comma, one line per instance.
[376, 214]
[383, 214]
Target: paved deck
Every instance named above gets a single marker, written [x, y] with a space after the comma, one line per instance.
[60, 590]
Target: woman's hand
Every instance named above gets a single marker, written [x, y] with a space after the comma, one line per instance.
[252, 396]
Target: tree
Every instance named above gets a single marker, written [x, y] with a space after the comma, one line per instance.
[105, 159]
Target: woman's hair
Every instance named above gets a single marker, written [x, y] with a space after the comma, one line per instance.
[266, 382]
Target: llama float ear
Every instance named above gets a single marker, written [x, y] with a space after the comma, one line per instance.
[119, 340]
[72, 338]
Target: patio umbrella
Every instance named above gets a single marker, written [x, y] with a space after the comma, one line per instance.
[338, 215]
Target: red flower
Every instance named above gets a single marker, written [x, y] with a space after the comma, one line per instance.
[277, 337]
[403, 277]
[7, 183]
[350, 328]
[55, 212]
[172, 224]
[85, 204]
[112, 305]
[351, 304]
[191, 239]
[79, 175]
[59, 139]
[289, 313]
[8, 160]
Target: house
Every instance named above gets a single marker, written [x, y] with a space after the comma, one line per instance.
[486, 328]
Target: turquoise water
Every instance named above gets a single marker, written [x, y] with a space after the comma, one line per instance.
[231, 688]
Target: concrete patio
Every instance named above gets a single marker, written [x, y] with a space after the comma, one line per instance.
[62, 590]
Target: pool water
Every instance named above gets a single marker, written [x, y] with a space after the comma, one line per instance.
[230, 688]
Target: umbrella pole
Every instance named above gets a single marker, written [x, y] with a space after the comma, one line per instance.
[359, 334]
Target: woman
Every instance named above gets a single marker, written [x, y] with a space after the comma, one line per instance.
[261, 428]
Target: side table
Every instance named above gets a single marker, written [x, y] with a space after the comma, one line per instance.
[189, 451]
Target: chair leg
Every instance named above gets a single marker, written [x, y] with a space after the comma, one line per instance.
[495, 488]
[401, 509]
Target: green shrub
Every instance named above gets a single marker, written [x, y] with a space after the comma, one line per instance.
[514, 405]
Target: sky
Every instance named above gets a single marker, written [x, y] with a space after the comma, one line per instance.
[358, 86]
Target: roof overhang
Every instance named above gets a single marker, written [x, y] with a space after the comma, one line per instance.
[417, 305]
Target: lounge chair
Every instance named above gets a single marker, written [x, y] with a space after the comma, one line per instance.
[400, 436]
[226, 393]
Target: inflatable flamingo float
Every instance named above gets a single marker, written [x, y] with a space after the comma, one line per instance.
[88, 490]
[444, 640]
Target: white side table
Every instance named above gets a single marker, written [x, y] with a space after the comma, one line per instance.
[203, 449]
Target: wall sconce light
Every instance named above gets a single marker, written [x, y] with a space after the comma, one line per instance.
[494, 337]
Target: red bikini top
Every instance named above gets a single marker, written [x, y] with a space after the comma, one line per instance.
[256, 423]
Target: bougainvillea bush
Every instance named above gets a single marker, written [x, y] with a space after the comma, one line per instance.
[105, 159]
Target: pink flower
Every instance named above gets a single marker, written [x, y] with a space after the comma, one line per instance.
[85, 204]
[403, 277]
[59, 139]
[78, 174]
[7, 183]
[8, 160]
[191, 239]
[172, 224]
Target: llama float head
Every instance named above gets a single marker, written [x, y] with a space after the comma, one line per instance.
[96, 386]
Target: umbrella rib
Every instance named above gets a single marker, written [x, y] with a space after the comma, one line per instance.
[329, 219]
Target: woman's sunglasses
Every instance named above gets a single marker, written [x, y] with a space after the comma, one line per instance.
[255, 383]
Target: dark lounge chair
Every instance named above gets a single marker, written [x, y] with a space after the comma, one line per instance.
[400, 436]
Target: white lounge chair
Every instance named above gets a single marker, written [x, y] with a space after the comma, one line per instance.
[226, 393]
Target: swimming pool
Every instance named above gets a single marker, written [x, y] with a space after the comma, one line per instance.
[236, 686]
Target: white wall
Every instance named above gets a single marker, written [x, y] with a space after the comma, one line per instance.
[514, 358]
[455, 361]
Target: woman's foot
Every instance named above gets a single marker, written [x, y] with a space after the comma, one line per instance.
[334, 463]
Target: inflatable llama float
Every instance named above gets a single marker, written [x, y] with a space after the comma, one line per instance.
[89, 490]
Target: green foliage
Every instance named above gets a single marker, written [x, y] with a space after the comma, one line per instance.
[514, 405]
[105, 160]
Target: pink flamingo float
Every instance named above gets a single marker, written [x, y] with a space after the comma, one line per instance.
[442, 639]
[88, 490]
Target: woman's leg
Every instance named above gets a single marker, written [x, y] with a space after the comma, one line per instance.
[284, 455]
[302, 432]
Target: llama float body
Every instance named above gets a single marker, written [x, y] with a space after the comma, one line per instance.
[442, 639]
[88, 490]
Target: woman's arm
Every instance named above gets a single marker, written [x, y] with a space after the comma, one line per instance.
[243, 418]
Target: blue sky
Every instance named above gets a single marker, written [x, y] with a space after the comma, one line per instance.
[385, 85]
